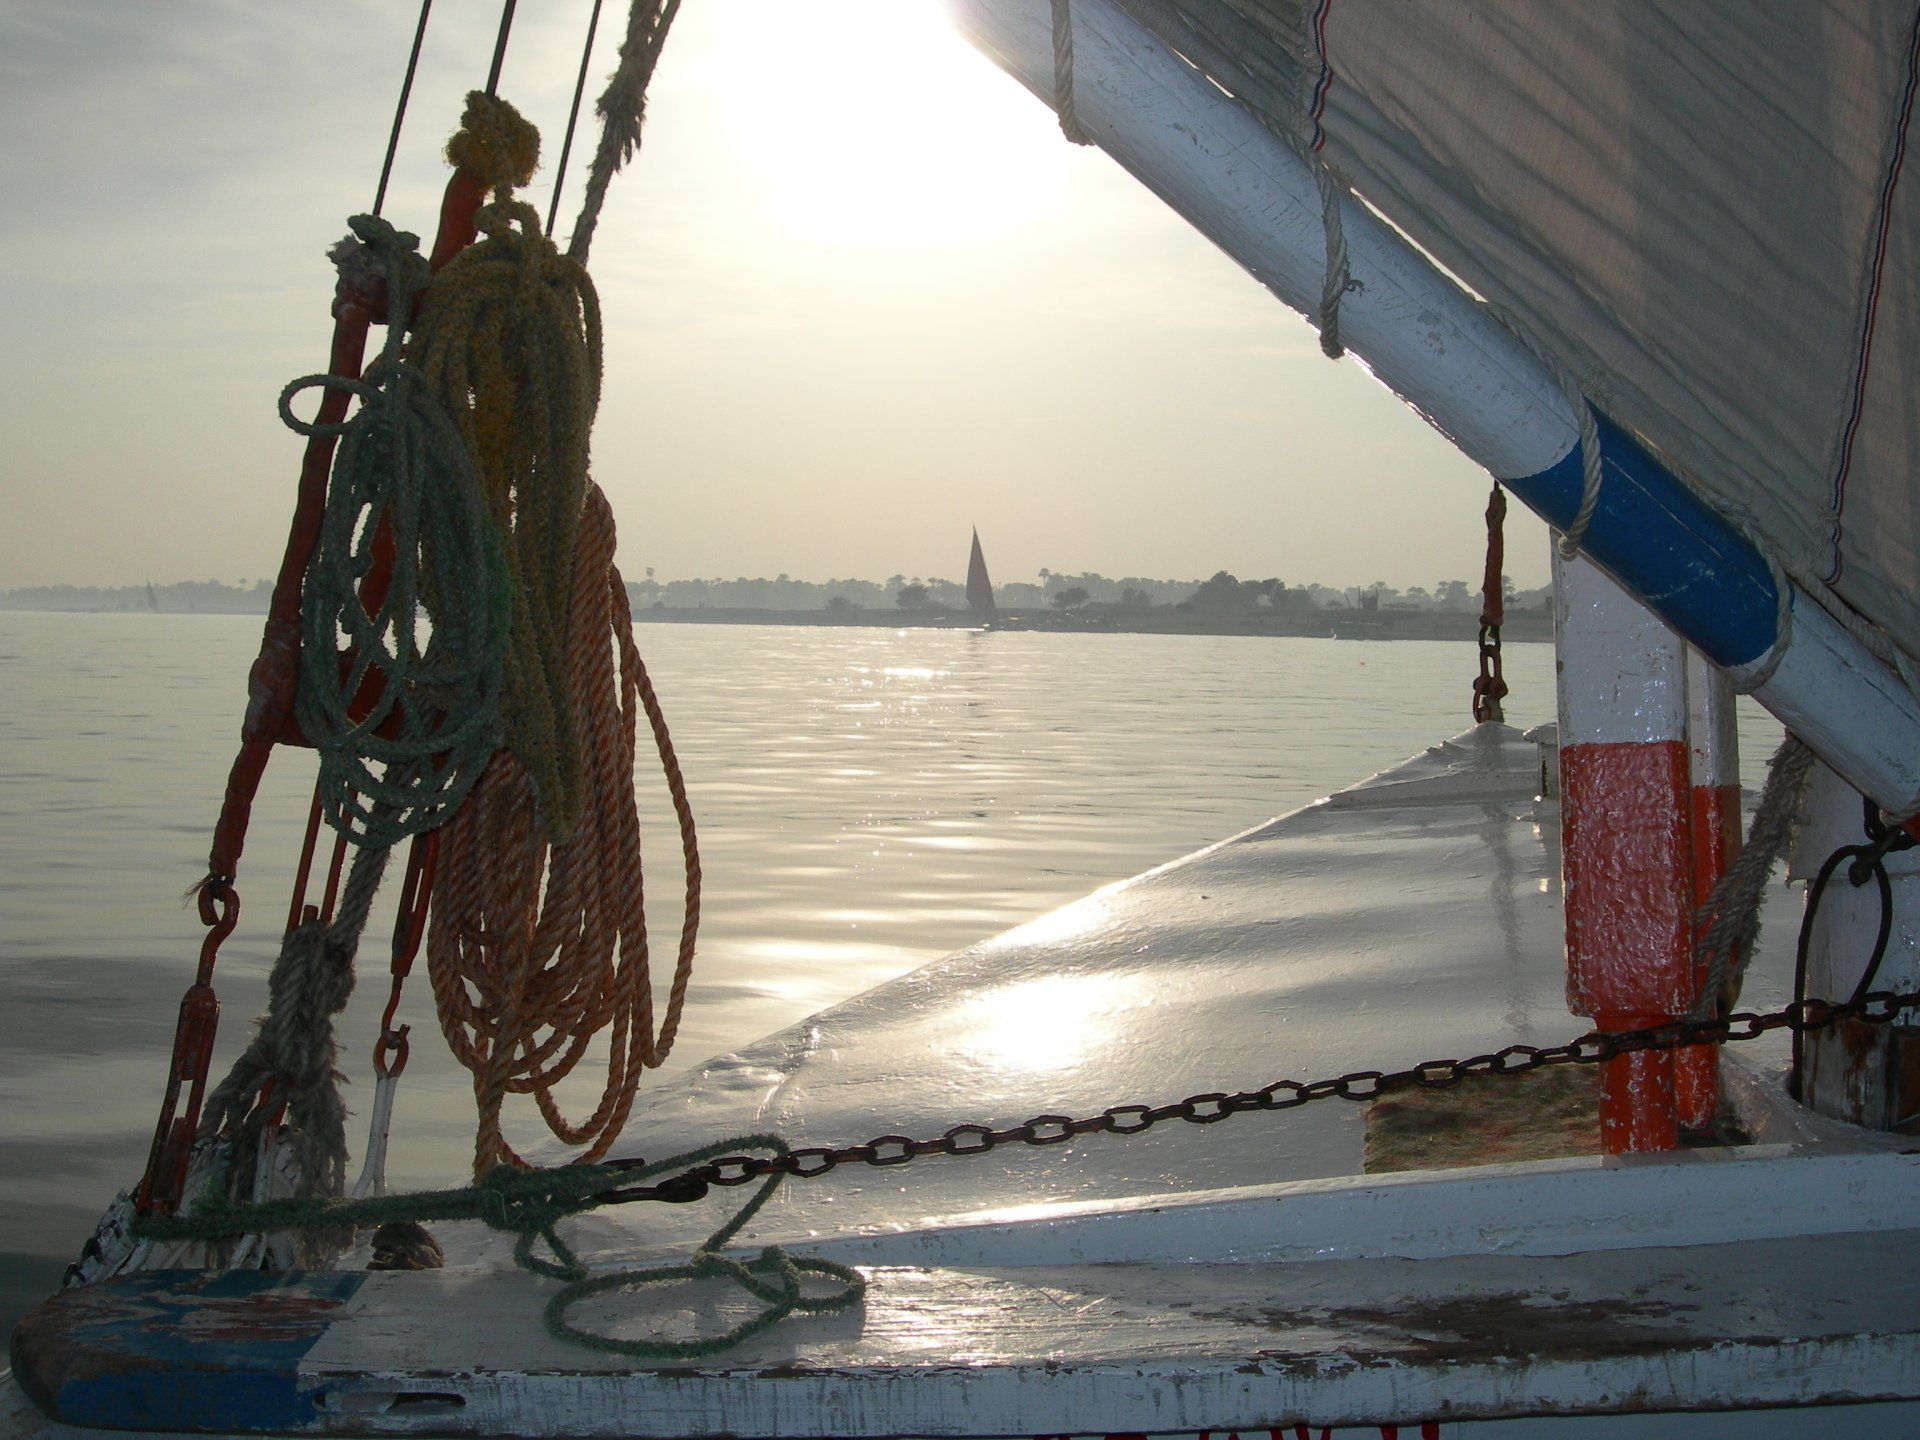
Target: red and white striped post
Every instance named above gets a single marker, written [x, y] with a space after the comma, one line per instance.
[1626, 838]
[1713, 753]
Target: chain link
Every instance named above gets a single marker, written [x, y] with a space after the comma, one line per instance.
[1490, 686]
[1209, 1108]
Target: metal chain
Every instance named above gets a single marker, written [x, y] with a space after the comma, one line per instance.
[1209, 1108]
[1490, 686]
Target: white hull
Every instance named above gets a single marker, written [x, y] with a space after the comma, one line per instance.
[1222, 1277]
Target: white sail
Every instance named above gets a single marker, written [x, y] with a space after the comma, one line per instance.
[1698, 207]
[979, 587]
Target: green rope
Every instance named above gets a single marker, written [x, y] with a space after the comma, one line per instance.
[530, 1204]
[511, 346]
[402, 460]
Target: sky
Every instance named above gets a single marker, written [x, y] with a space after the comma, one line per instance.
[860, 295]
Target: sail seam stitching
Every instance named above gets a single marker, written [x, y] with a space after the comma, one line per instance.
[1863, 359]
[1323, 82]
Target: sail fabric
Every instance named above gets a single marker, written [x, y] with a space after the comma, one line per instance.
[1703, 207]
[979, 587]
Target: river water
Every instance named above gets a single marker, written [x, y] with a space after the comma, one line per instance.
[869, 800]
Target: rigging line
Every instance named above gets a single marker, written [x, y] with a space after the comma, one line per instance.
[623, 109]
[400, 110]
[500, 47]
[573, 118]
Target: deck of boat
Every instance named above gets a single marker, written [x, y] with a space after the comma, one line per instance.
[1198, 1277]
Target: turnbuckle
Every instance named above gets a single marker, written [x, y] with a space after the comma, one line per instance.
[165, 1178]
[409, 928]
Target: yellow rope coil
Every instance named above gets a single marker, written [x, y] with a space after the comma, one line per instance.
[510, 343]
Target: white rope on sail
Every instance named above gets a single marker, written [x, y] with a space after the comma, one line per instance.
[1339, 278]
[1063, 73]
[1585, 425]
[1316, 75]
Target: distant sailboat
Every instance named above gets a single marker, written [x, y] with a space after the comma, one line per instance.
[153, 600]
[979, 588]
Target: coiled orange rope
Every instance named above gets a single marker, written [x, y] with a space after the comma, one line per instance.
[525, 979]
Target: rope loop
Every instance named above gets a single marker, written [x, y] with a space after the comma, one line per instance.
[358, 389]
[530, 1204]
[402, 728]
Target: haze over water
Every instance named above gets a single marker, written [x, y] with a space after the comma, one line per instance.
[869, 800]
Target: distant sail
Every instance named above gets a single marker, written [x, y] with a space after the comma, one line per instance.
[979, 588]
[153, 600]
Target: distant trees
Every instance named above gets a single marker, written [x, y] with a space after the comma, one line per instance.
[1226, 593]
[1222, 592]
[840, 599]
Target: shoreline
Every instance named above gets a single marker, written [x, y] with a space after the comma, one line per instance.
[1521, 627]
[1527, 627]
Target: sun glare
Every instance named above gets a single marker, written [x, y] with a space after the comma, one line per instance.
[1052, 1023]
[871, 123]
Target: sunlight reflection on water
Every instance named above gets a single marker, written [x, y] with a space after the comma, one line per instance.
[869, 800]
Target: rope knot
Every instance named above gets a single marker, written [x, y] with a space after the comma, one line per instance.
[378, 258]
[706, 1264]
[495, 142]
[510, 1199]
[496, 221]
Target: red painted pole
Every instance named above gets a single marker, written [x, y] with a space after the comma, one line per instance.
[269, 720]
[1713, 754]
[1626, 839]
